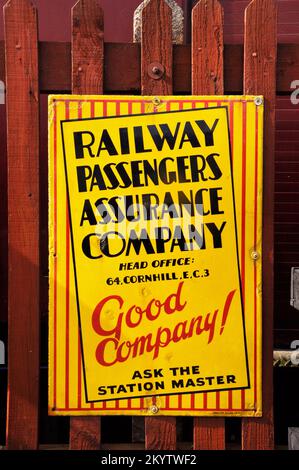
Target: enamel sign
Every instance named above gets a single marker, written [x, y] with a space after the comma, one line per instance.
[154, 252]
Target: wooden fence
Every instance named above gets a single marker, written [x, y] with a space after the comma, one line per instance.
[31, 67]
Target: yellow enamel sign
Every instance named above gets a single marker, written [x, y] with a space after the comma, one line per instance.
[155, 222]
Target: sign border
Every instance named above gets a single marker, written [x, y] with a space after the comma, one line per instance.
[62, 122]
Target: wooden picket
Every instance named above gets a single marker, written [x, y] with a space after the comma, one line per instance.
[154, 68]
[156, 56]
[207, 79]
[21, 57]
[87, 78]
[207, 48]
[260, 78]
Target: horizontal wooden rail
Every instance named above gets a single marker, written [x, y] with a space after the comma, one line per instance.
[55, 67]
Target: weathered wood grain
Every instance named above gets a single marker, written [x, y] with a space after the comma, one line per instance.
[260, 78]
[209, 433]
[85, 433]
[156, 46]
[207, 79]
[21, 42]
[160, 433]
[87, 47]
[207, 48]
[87, 78]
[55, 67]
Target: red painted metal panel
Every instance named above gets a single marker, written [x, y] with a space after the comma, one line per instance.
[286, 207]
[288, 20]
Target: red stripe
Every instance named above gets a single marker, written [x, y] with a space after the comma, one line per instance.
[79, 339]
[129, 404]
[192, 401]
[231, 128]
[166, 407]
[67, 308]
[104, 114]
[205, 401]
[92, 406]
[104, 108]
[55, 254]
[230, 399]
[243, 222]
[242, 399]
[79, 371]
[231, 135]
[92, 112]
[180, 402]
[217, 400]
[80, 103]
[67, 289]
[255, 243]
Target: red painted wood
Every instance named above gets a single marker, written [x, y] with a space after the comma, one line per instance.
[87, 47]
[260, 78]
[288, 20]
[85, 433]
[207, 78]
[207, 48]
[54, 25]
[3, 218]
[20, 18]
[156, 46]
[87, 78]
[55, 65]
[209, 434]
[160, 433]
[286, 218]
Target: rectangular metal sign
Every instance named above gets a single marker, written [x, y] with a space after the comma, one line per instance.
[154, 247]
